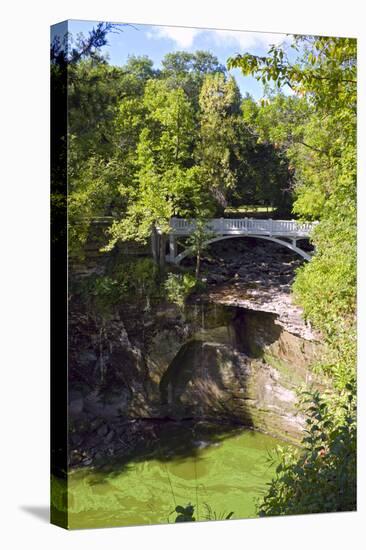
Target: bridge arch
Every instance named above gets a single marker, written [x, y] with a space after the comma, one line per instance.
[177, 259]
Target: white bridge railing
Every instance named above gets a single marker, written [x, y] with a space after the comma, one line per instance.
[246, 226]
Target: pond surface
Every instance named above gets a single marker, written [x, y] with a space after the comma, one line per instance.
[226, 476]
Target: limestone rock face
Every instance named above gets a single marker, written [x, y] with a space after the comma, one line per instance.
[204, 380]
[236, 365]
[211, 378]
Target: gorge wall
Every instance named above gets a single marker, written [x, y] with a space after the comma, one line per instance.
[210, 362]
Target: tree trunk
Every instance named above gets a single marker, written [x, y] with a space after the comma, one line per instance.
[162, 252]
[198, 264]
[155, 244]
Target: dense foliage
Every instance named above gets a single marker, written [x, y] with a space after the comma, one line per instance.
[146, 144]
[316, 130]
[322, 478]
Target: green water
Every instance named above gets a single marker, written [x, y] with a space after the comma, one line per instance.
[228, 476]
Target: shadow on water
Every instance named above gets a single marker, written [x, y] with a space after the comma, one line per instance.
[168, 440]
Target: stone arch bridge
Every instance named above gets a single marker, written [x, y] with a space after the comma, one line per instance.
[284, 232]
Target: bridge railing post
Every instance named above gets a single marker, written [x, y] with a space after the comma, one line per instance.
[154, 243]
[172, 247]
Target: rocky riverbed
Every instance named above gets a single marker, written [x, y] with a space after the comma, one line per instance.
[257, 275]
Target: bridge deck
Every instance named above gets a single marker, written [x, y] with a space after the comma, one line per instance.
[246, 226]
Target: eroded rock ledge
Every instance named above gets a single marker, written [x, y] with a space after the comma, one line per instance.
[266, 299]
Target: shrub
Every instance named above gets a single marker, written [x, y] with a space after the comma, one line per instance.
[322, 476]
[179, 286]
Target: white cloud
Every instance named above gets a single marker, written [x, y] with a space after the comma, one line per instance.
[247, 40]
[184, 37]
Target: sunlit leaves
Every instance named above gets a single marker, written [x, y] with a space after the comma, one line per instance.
[321, 477]
[219, 104]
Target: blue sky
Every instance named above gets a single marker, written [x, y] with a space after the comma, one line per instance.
[156, 41]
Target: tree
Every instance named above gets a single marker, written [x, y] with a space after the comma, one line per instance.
[65, 55]
[140, 67]
[172, 124]
[65, 50]
[318, 133]
[219, 105]
[187, 71]
[105, 117]
[262, 167]
[197, 241]
[165, 183]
